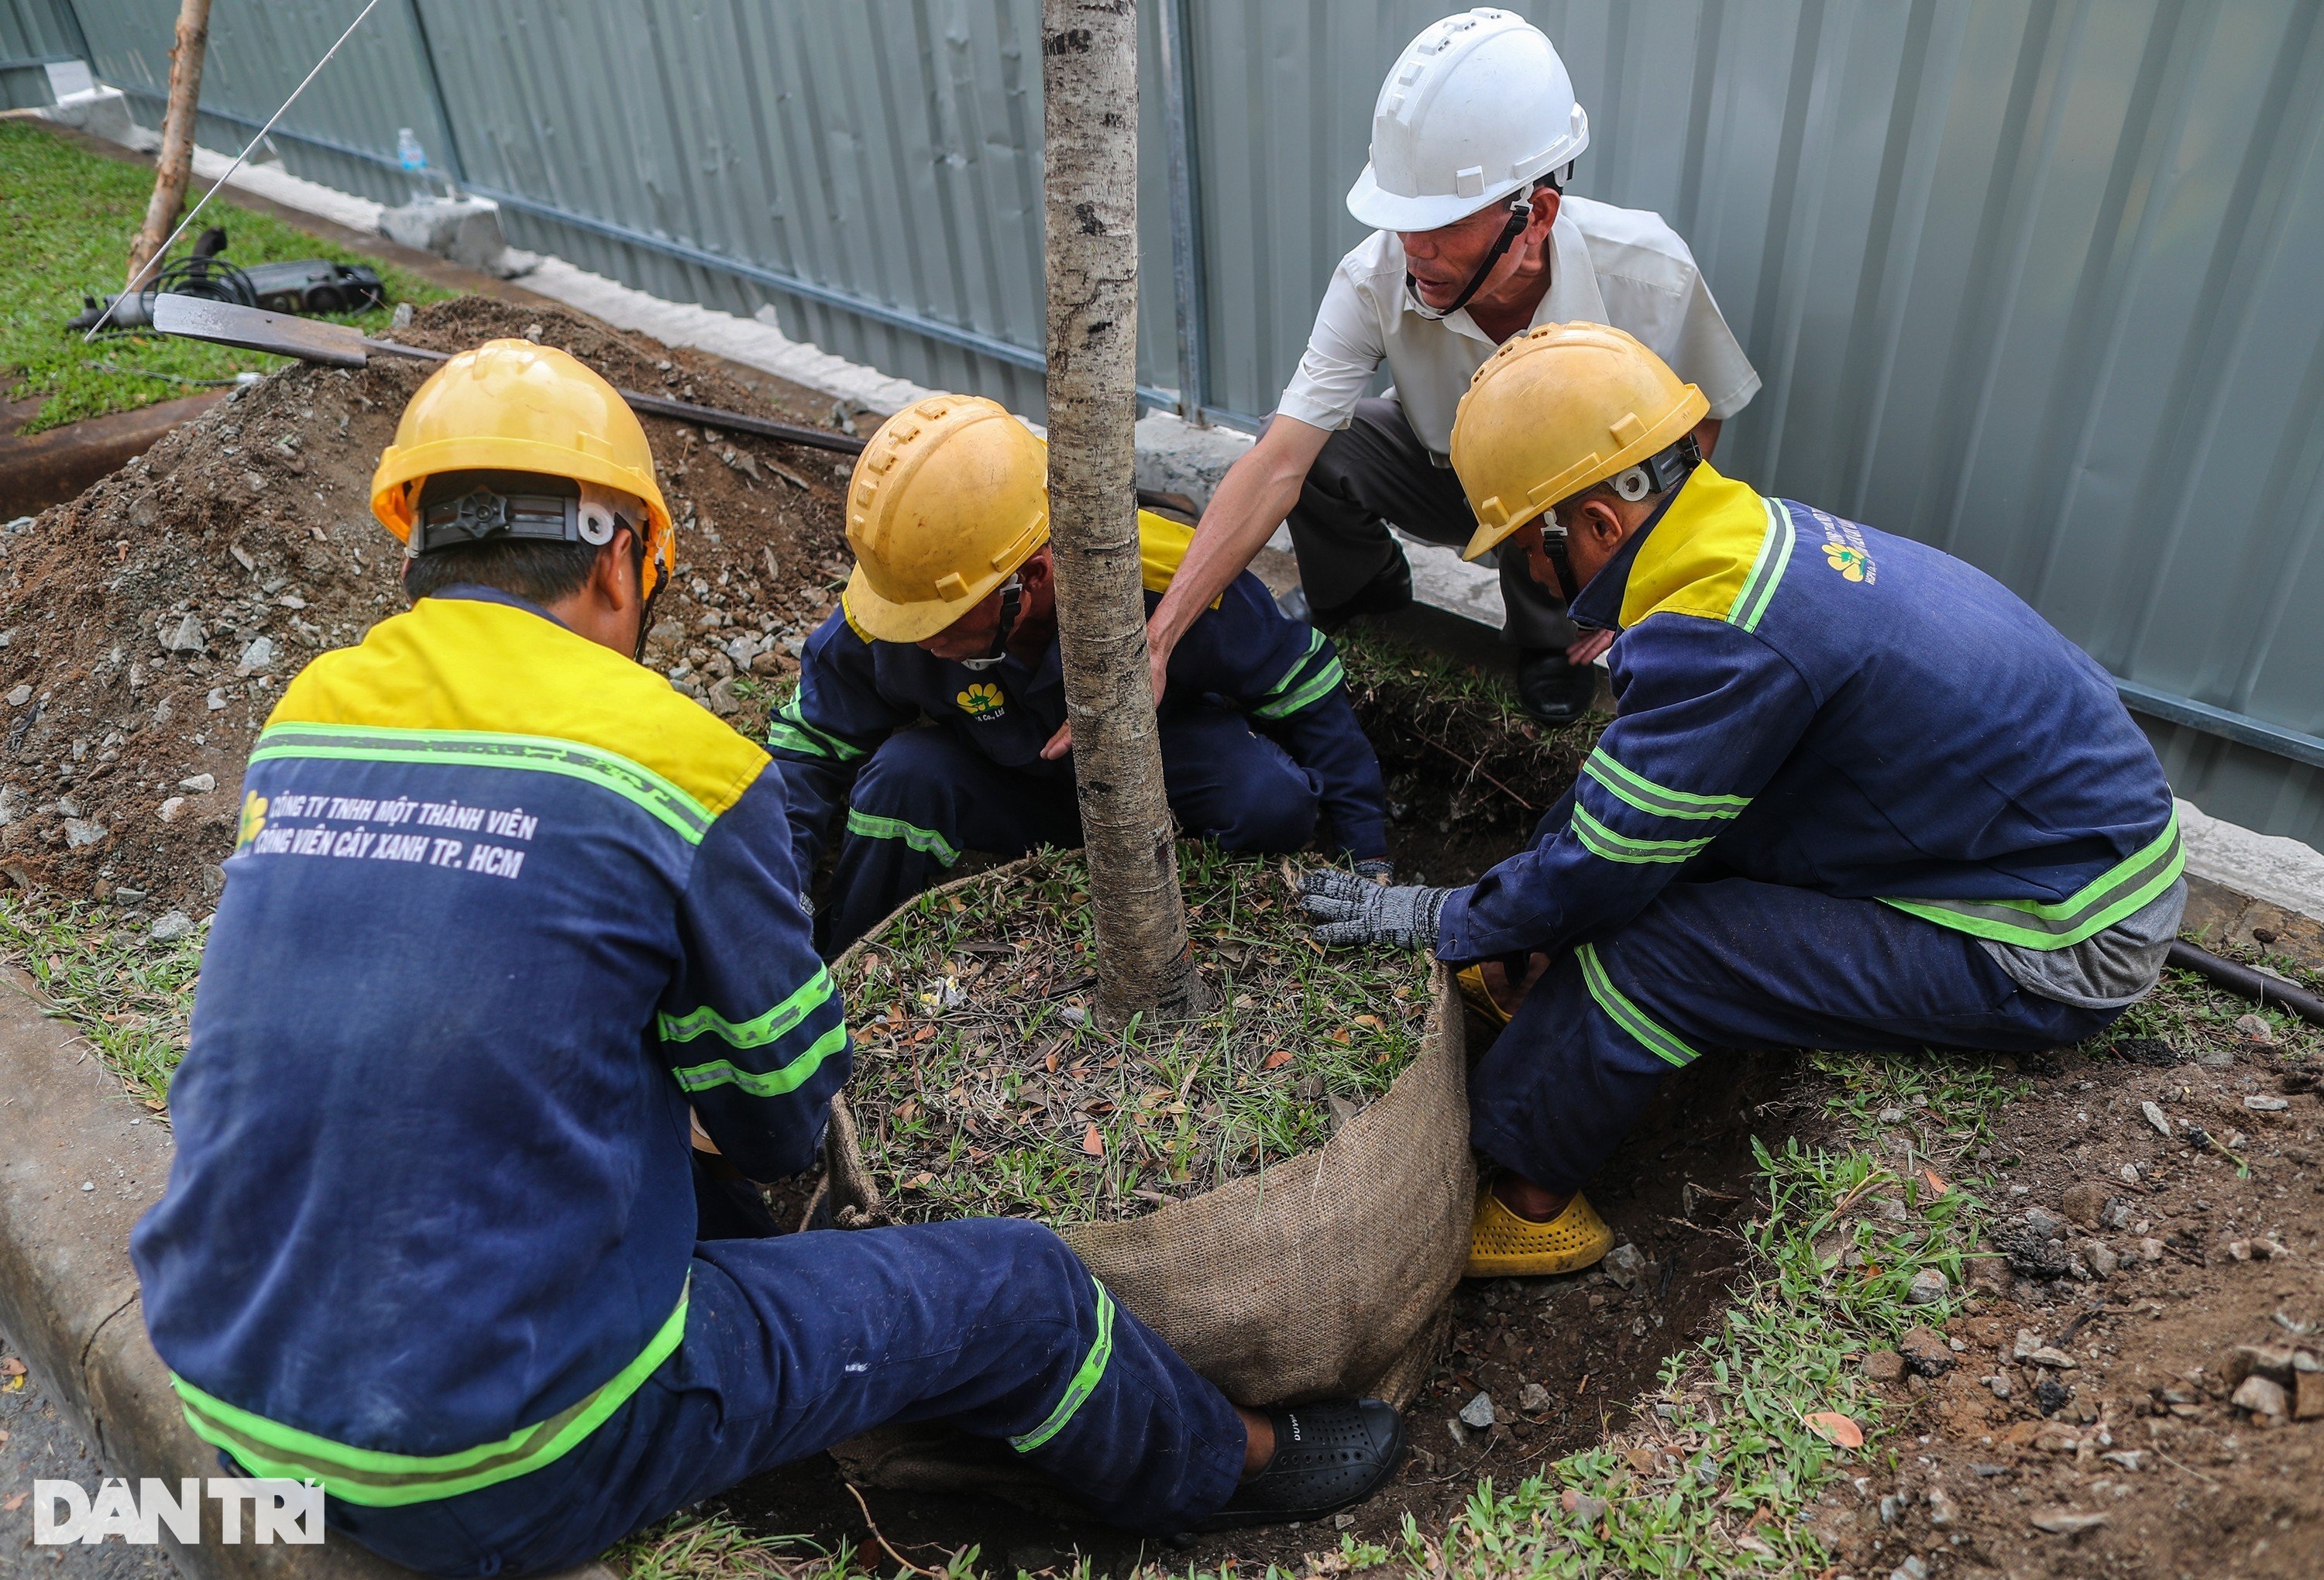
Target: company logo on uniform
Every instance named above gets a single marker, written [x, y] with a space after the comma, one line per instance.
[1845, 550]
[253, 819]
[1849, 561]
[982, 702]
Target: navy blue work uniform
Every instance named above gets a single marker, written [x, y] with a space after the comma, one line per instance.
[503, 906]
[1258, 737]
[1849, 779]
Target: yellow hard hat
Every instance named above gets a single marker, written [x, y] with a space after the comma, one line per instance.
[513, 406]
[951, 495]
[1557, 408]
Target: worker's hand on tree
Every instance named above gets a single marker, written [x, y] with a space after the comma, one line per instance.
[1590, 646]
[1355, 910]
[1062, 743]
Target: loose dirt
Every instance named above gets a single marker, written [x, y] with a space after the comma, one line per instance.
[147, 627]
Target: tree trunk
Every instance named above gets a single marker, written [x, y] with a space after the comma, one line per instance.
[177, 160]
[1088, 80]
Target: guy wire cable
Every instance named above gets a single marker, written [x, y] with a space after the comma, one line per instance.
[220, 184]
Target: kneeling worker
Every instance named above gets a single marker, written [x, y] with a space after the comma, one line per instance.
[952, 615]
[1856, 794]
[503, 906]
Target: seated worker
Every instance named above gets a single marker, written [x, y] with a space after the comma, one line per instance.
[503, 906]
[1856, 794]
[952, 614]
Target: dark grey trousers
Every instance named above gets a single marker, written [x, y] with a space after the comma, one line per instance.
[1376, 471]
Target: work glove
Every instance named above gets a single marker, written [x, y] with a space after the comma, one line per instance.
[1355, 910]
[1379, 869]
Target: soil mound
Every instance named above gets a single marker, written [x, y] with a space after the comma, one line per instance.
[147, 627]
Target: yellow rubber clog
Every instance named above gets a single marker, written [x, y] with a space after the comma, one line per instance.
[1471, 980]
[1501, 1244]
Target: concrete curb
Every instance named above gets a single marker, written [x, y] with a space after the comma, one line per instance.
[79, 1163]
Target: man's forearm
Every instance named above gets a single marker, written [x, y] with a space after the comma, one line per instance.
[1253, 498]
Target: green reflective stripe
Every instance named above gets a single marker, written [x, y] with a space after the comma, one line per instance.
[814, 741]
[1315, 646]
[1318, 686]
[782, 735]
[766, 1083]
[381, 1480]
[1602, 842]
[1084, 1382]
[1663, 1044]
[545, 754]
[2119, 892]
[1659, 800]
[926, 842]
[759, 1031]
[1759, 588]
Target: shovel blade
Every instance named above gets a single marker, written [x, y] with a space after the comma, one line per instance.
[337, 345]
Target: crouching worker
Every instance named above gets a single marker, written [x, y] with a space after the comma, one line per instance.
[503, 906]
[1856, 794]
[951, 615]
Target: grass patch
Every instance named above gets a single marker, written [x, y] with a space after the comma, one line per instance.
[71, 215]
[983, 1090]
[133, 999]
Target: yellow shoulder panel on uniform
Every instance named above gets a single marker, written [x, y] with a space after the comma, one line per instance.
[466, 664]
[1700, 553]
[1162, 545]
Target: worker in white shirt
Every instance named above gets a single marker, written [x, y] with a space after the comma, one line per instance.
[1474, 136]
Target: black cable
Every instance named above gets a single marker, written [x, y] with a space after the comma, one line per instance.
[2256, 986]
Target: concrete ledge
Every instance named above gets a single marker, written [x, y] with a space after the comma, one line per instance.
[79, 1163]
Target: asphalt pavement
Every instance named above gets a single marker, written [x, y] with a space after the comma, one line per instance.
[37, 1440]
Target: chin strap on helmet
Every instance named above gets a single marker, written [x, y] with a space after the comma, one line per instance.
[1012, 597]
[1520, 216]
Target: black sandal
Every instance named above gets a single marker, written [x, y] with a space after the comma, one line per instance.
[1326, 1457]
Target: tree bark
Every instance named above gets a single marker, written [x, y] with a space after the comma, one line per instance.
[1088, 80]
[177, 160]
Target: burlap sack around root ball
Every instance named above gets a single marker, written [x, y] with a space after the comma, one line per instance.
[1325, 1275]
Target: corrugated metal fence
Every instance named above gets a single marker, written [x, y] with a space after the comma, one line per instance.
[2031, 280]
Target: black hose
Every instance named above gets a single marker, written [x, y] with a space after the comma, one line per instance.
[2256, 986]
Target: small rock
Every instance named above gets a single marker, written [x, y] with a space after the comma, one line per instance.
[2150, 1249]
[2051, 1355]
[2215, 1058]
[2130, 1459]
[2044, 1223]
[2051, 1396]
[1624, 1263]
[2263, 1360]
[2028, 1341]
[2261, 1103]
[2154, 1117]
[216, 701]
[130, 896]
[2256, 1029]
[2066, 1522]
[1891, 1116]
[1883, 1366]
[2130, 1173]
[172, 926]
[1533, 1399]
[1913, 1568]
[1343, 1521]
[199, 783]
[2098, 1256]
[258, 655]
[171, 807]
[1581, 1506]
[1478, 1412]
[1072, 1014]
[88, 1184]
[723, 700]
[80, 831]
[1927, 1285]
[1924, 1350]
[2000, 1386]
[2083, 1202]
[2261, 1396]
[187, 637]
[2115, 1214]
[18, 696]
[1942, 1509]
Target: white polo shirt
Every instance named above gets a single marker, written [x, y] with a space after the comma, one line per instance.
[1619, 266]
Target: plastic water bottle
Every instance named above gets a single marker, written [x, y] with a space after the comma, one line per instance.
[408, 153]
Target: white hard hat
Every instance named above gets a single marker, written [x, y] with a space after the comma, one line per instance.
[1476, 107]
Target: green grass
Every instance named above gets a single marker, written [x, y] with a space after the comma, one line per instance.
[70, 215]
[130, 996]
[984, 1088]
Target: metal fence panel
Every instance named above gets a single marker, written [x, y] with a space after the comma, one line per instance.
[2031, 280]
